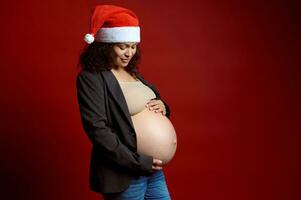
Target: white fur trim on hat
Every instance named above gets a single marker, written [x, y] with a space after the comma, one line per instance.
[118, 34]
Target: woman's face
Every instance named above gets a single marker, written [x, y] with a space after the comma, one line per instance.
[123, 52]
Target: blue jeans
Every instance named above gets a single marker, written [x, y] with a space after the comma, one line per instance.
[145, 187]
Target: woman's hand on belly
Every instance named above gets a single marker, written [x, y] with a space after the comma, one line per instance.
[157, 164]
[157, 106]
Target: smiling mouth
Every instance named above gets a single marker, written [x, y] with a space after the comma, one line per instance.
[125, 60]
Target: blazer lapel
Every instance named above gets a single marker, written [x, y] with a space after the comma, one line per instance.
[117, 93]
[115, 90]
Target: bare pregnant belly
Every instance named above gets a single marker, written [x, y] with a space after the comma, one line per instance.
[156, 135]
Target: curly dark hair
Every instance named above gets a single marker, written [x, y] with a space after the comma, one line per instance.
[96, 57]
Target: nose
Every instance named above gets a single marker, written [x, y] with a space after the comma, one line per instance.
[129, 53]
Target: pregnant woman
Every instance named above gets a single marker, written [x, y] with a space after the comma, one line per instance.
[122, 114]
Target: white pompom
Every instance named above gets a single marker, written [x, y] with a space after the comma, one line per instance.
[89, 38]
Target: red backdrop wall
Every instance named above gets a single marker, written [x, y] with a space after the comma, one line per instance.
[228, 69]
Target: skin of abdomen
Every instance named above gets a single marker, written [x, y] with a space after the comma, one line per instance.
[156, 135]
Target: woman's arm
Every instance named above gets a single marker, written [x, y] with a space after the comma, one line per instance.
[91, 101]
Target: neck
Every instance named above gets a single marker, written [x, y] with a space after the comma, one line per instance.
[118, 70]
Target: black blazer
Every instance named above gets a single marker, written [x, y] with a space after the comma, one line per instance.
[107, 122]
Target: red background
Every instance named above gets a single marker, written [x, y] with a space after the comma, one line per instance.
[228, 69]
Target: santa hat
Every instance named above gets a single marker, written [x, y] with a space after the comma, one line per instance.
[111, 24]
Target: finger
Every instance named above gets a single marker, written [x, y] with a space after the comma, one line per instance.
[150, 102]
[156, 168]
[158, 164]
[155, 107]
[159, 110]
[153, 102]
[157, 161]
[158, 107]
[151, 107]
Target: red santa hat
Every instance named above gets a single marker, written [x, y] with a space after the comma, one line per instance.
[111, 24]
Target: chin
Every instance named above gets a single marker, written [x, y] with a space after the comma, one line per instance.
[124, 65]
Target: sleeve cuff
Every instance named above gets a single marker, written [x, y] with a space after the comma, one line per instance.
[146, 163]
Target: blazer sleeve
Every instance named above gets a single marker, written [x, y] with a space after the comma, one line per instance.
[91, 101]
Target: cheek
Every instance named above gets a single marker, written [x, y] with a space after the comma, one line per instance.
[134, 52]
[116, 55]
[119, 53]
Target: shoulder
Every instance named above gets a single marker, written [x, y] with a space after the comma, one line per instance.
[93, 79]
[89, 75]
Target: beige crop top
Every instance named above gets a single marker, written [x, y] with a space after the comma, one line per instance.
[136, 95]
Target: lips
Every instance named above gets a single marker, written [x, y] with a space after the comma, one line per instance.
[125, 60]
